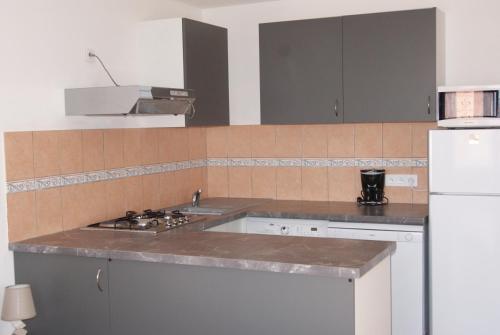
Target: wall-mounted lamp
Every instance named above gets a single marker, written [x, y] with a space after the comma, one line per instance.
[17, 306]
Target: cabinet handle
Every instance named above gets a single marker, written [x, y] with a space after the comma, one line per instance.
[429, 105]
[335, 108]
[98, 280]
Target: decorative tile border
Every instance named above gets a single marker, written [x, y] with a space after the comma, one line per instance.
[290, 162]
[316, 163]
[240, 162]
[95, 176]
[265, 162]
[217, 162]
[21, 186]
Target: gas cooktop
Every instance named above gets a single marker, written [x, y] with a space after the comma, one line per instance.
[149, 221]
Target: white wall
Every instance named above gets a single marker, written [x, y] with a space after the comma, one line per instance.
[43, 47]
[467, 39]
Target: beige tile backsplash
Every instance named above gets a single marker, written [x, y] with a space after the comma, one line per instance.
[19, 151]
[341, 141]
[288, 183]
[315, 141]
[93, 150]
[21, 216]
[368, 140]
[48, 211]
[54, 153]
[113, 148]
[289, 141]
[239, 141]
[397, 140]
[263, 141]
[343, 183]
[263, 182]
[240, 182]
[70, 151]
[389, 140]
[46, 153]
[315, 183]
[49, 153]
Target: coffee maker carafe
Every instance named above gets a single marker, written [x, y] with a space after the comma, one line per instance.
[372, 184]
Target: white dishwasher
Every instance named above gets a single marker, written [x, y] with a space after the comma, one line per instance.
[407, 269]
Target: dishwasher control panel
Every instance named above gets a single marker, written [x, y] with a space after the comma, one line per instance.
[291, 227]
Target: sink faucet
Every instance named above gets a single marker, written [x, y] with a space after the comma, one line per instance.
[196, 198]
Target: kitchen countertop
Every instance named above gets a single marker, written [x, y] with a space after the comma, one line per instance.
[404, 214]
[190, 245]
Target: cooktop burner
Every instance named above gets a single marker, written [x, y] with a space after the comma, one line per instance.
[148, 221]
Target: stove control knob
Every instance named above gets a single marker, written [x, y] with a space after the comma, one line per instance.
[285, 230]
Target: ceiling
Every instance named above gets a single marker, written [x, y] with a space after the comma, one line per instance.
[219, 3]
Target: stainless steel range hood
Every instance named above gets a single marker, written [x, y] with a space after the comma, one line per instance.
[129, 100]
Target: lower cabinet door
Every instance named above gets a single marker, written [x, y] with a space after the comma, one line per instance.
[70, 293]
[154, 298]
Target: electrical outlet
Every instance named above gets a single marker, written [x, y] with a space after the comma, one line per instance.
[401, 180]
[89, 51]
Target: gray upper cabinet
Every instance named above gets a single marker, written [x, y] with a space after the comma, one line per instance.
[206, 71]
[389, 62]
[361, 68]
[301, 71]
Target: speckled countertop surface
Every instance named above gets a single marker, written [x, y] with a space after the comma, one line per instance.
[190, 245]
[406, 214]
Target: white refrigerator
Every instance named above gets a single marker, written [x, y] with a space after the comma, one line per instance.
[464, 231]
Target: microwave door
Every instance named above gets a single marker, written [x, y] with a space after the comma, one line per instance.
[469, 107]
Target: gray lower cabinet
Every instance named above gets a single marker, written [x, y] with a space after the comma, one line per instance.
[206, 71]
[67, 297]
[390, 66]
[153, 298]
[301, 71]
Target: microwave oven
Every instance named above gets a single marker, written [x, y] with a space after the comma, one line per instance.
[469, 107]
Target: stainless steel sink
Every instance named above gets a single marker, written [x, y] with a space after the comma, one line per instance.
[218, 206]
[205, 210]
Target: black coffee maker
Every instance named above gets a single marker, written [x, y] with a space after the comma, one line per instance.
[372, 184]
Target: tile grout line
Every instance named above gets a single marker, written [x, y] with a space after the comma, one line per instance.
[35, 193]
[354, 184]
[327, 151]
[301, 170]
[383, 150]
[411, 150]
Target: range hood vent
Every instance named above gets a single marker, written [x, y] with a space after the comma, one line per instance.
[129, 100]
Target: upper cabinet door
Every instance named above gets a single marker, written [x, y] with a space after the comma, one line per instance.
[390, 66]
[206, 71]
[301, 71]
